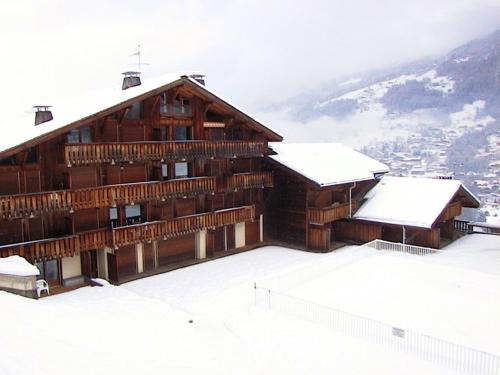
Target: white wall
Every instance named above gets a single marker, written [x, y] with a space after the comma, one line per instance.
[261, 226]
[102, 262]
[71, 266]
[239, 233]
[139, 252]
[201, 244]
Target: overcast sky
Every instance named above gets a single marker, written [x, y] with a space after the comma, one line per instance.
[253, 52]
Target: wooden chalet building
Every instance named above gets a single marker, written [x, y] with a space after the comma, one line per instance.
[130, 182]
[125, 183]
[317, 186]
[416, 211]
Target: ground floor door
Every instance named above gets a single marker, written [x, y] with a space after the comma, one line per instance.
[50, 271]
[89, 264]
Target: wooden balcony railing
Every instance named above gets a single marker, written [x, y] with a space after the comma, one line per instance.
[180, 226]
[328, 214]
[176, 110]
[31, 205]
[53, 248]
[92, 153]
[249, 181]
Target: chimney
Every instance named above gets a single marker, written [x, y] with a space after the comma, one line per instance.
[200, 78]
[131, 79]
[42, 114]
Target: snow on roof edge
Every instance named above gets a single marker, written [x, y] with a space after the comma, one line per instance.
[29, 132]
[397, 188]
[369, 173]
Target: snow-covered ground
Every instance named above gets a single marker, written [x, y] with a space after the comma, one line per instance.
[143, 327]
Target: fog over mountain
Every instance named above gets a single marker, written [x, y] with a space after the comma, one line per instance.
[436, 117]
[375, 105]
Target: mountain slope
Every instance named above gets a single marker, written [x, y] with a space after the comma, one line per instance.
[432, 117]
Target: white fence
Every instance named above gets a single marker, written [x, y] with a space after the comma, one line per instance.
[404, 248]
[441, 352]
[434, 350]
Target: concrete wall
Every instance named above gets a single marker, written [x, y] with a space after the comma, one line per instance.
[21, 285]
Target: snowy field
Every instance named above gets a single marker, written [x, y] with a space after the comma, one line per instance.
[143, 327]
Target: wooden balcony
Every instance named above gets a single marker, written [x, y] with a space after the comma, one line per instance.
[180, 226]
[249, 181]
[328, 214]
[53, 248]
[31, 205]
[129, 152]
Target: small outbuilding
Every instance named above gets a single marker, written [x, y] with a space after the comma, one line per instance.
[418, 211]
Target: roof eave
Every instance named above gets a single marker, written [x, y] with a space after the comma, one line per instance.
[94, 116]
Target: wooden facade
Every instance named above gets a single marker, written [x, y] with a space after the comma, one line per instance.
[136, 187]
[301, 213]
[305, 214]
[441, 232]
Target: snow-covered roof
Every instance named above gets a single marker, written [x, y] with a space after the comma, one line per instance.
[327, 163]
[88, 104]
[410, 201]
[18, 266]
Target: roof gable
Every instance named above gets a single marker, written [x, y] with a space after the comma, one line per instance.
[96, 104]
[416, 202]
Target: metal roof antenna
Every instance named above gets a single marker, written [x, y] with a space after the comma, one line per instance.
[132, 78]
[139, 63]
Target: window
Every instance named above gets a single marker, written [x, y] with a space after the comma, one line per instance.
[163, 103]
[181, 170]
[11, 160]
[133, 214]
[164, 171]
[113, 216]
[32, 156]
[135, 112]
[74, 136]
[182, 133]
[85, 135]
[81, 135]
[182, 105]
